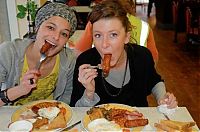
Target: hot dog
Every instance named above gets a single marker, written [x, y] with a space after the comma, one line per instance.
[106, 64]
[45, 48]
[133, 115]
[135, 123]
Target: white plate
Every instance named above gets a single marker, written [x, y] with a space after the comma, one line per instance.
[86, 120]
[19, 111]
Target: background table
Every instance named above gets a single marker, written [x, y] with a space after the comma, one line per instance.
[82, 9]
[151, 113]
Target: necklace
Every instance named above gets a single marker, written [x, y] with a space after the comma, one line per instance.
[120, 89]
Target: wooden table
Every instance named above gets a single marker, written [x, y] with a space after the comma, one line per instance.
[82, 9]
[151, 113]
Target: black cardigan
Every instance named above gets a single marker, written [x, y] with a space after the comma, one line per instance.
[143, 77]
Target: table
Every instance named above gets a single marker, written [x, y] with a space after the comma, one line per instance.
[151, 113]
[82, 9]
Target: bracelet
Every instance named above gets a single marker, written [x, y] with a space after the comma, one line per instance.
[6, 95]
[3, 98]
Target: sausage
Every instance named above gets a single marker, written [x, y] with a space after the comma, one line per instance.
[135, 123]
[45, 48]
[106, 64]
[133, 115]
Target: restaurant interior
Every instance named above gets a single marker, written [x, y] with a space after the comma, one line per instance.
[176, 28]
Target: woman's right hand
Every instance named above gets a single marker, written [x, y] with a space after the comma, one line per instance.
[25, 84]
[86, 77]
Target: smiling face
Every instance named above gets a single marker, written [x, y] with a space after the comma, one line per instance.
[109, 36]
[55, 31]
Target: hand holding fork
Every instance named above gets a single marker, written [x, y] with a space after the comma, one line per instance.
[43, 57]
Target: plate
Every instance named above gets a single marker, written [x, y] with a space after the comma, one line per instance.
[86, 120]
[20, 110]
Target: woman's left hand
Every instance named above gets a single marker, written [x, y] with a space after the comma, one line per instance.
[169, 99]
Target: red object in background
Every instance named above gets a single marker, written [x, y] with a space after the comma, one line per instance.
[97, 1]
[72, 3]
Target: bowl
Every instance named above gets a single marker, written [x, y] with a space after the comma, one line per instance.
[21, 125]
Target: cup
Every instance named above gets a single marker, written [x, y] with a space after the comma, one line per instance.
[21, 125]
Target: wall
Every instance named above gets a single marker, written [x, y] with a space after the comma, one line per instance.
[4, 24]
[18, 27]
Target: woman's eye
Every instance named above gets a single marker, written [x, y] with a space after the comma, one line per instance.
[113, 35]
[65, 35]
[50, 27]
[97, 35]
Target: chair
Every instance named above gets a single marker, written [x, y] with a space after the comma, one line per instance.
[192, 28]
[175, 17]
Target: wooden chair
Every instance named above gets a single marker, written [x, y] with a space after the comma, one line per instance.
[192, 28]
[175, 17]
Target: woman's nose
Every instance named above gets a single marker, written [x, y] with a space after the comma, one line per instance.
[56, 35]
[105, 42]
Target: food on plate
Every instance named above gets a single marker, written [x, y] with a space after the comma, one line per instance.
[136, 122]
[28, 114]
[106, 64]
[102, 124]
[45, 115]
[40, 122]
[97, 112]
[42, 105]
[58, 122]
[170, 126]
[124, 118]
[46, 47]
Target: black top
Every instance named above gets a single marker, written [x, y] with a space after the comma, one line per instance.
[143, 77]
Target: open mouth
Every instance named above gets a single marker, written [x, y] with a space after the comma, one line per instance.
[52, 45]
[47, 46]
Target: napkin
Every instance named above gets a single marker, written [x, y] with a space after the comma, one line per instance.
[163, 109]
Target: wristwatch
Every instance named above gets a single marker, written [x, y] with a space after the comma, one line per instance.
[3, 96]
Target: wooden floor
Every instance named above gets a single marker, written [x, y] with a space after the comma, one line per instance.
[179, 67]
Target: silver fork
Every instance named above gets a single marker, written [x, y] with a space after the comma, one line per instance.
[42, 58]
[96, 67]
[67, 128]
[166, 116]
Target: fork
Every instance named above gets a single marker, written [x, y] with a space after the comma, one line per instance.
[96, 67]
[166, 116]
[42, 58]
[67, 128]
